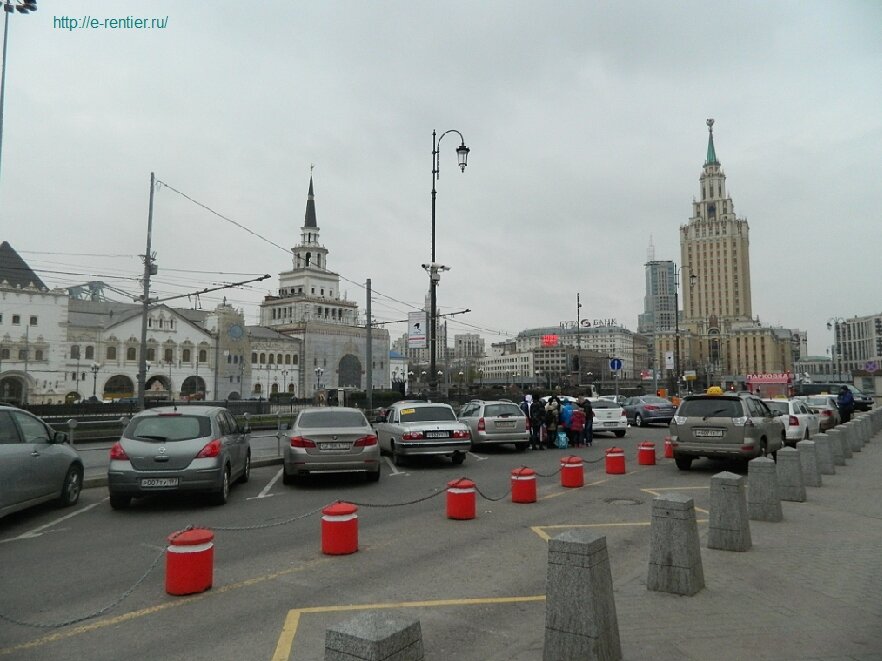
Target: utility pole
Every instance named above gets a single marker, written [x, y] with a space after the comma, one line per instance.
[369, 352]
[149, 270]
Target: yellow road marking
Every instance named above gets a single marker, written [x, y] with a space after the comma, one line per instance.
[292, 620]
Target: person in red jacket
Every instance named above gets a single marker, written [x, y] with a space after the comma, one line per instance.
[577, 427]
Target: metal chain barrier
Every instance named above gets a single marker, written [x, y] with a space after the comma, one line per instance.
[492, 500]
[411, 502]
[101, 611]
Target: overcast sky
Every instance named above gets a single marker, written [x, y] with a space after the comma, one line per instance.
[585, 120]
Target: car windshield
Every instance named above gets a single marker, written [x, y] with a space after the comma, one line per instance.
[427, 414]
[331, 418]
[817, 401]
[165, 428]
[604, 404]
[497, 410]
[711, 408]
[779, 408]
[656, 400]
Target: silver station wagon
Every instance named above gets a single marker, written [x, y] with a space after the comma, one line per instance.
[411, 429]
[179, 449]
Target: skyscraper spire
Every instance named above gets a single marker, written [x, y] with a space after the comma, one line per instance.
[310, 205]
[711, 153]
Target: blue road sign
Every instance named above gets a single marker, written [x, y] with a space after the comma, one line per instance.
[615, 364]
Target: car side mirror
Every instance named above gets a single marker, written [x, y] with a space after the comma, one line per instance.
[60, 437]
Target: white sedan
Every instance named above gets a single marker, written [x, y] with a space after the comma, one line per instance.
[800, 422]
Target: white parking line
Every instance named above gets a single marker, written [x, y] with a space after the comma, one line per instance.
[264, 493]
[36, 532]
[394, 468]
[478, 457]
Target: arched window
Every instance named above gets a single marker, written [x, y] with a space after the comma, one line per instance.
[151, 354]
[253, 357]
[271, 359]
[203, 355]
[111, 353]
[90, 353]
[287, 359]
[168, 355]
[131, 353]
[74, 351]
[38, 354]
[262, 358]
[279, 359]
[186, 356]
[294, 360]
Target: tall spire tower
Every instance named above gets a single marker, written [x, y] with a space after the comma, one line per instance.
[714, 246]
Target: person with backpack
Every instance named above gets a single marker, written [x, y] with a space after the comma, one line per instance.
[566, 417]
[845, 402]
[537, 419]
[577, 426]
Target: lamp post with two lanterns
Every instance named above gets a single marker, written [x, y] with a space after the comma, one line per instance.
[95, 367]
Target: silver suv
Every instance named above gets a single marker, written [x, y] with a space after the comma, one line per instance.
[496, 422]
[724, 426]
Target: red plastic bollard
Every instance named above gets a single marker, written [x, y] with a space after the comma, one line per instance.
[669, 448]
[339, 529]
[646, 454]
[615, 461]
[461, 499]
[189, 561]
[571, 472]
[523, 485]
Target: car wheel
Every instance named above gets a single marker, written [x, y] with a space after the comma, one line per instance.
[120, 501]
[246, 472]
[619, 433]
[221, 496]
[374, 477]
[458, 458]
[638, 420]
[288, 478]
[683, 463]
[397, 458]
[521, 447]
[73, 485]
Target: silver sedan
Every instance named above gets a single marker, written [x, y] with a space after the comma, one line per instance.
[331, 440]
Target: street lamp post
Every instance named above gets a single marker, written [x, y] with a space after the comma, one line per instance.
[836, 356]
[94, 368]
[462, 154]
[692, 278]
[23, 7]
[318, 377]
[170, 363]
[461, 382]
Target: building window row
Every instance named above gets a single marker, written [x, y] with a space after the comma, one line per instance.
[273, 359]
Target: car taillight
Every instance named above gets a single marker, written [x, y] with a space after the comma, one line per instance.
[365, 441]
[827, 412]
[649, 407]
[526, 424]
[794, 421]
[211, 449]
[459, 433]
[117, 452]
[482, 426]
[743, 421]
[412, 436]
[300, 442]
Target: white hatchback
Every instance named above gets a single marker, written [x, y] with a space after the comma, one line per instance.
[800, 422]
[608, 416]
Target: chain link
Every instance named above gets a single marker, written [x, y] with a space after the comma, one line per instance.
[101, 611]
[258, 526]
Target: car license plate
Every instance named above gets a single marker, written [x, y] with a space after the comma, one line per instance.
[506, 424]
[709, 433]
[335, 446]
[611, 424]
[437, 434]
[156, 482]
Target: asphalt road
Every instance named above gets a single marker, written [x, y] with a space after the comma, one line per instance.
[477, 586]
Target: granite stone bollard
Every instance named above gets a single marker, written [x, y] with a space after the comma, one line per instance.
[837, 446]
[853, 432]
[375, 637]
[866, 427]
[674, 550]
[729, 527]
[791, 484]
[808, 461]
[823, 445]
[580, 610]
[763, 497]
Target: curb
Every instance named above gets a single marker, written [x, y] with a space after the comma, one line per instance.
[101, 481]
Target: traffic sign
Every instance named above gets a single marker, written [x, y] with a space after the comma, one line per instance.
[615, 364]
